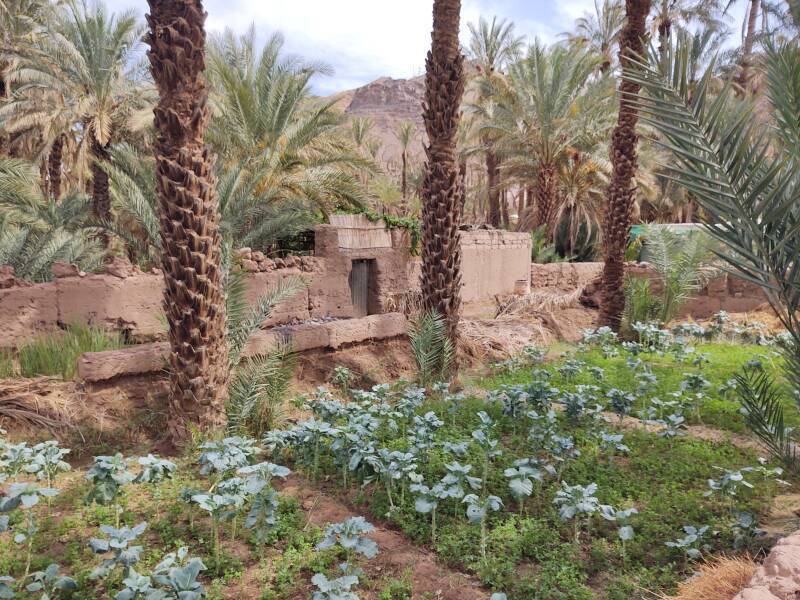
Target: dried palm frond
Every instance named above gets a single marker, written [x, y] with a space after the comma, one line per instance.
[31, 402]
[540, 301]
[718, 579]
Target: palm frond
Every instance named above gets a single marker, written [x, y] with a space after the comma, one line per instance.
[748, 187]
[242, 322]
[762, 401]
[258, 391]
[431, 346]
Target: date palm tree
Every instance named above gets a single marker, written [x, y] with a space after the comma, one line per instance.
[620, 194]
[492, 47]
[36, 231]
[264, 113]
[189, 218]
[442, 192]
[536, 122]
[250, 216]
[404, 134]
[19, 20]
[78, 76]
[600, 30]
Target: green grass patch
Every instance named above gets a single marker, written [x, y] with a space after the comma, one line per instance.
[57, 353]
[719, 410]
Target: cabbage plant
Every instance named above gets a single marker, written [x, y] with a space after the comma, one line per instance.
[478, 508]
[117, 543]
[351, 536]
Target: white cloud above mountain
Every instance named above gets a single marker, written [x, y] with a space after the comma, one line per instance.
[366, 39]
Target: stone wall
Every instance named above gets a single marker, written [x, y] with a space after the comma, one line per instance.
[144, 359]
[725, 292]
[778, 578]
[129, 301]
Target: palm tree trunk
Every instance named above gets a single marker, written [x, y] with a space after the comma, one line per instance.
[620, 192]
[189, 217]
[404, 181]
[54, 161]
[743, 78]
[101, 199]
[504, 208]
[3, 97]
[442, 193]
[546, 192]
[491, 186]
[44, 184]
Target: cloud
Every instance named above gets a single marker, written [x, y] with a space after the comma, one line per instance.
[366, 39]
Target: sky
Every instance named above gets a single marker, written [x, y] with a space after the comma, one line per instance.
[362, 40]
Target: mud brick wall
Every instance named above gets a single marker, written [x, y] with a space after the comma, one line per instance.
[126, 299]
[725, 292]
[494, 263]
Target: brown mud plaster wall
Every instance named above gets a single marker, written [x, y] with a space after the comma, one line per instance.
[124, 298]
[725, 292]
[132, 303]
[493, 263]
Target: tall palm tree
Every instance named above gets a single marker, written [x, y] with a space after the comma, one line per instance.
[442, 192]
[620, 195]
[19, 20]
[79, 76]
[492, 46]
[536, 121]
[748, 43]
[189, 217]
[671, 14]
[404, 134]
[600, 30]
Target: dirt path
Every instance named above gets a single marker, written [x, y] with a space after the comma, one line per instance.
[397, 555]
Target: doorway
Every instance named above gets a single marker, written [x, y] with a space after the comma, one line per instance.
[363, 290]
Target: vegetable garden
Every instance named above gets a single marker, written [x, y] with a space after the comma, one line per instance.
[586, 474]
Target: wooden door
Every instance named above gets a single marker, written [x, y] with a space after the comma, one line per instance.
[359, 287]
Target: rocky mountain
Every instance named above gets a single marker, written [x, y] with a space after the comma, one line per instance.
[388, 102]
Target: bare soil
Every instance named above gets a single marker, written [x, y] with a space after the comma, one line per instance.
[397, 557]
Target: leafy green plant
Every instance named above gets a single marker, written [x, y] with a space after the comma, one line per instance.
[334, 589]
[225, 456]
[622, 517]
[351, 536]
[24, 495]
[117, 543]
[427, 500]
[154, 469]
[108, 475]
[342, 378]
[576, 500]
[174, 577]
[431, 347]
[262, 517]
[478, 508]
[50, 583]
[46, 461]
[690, 544]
